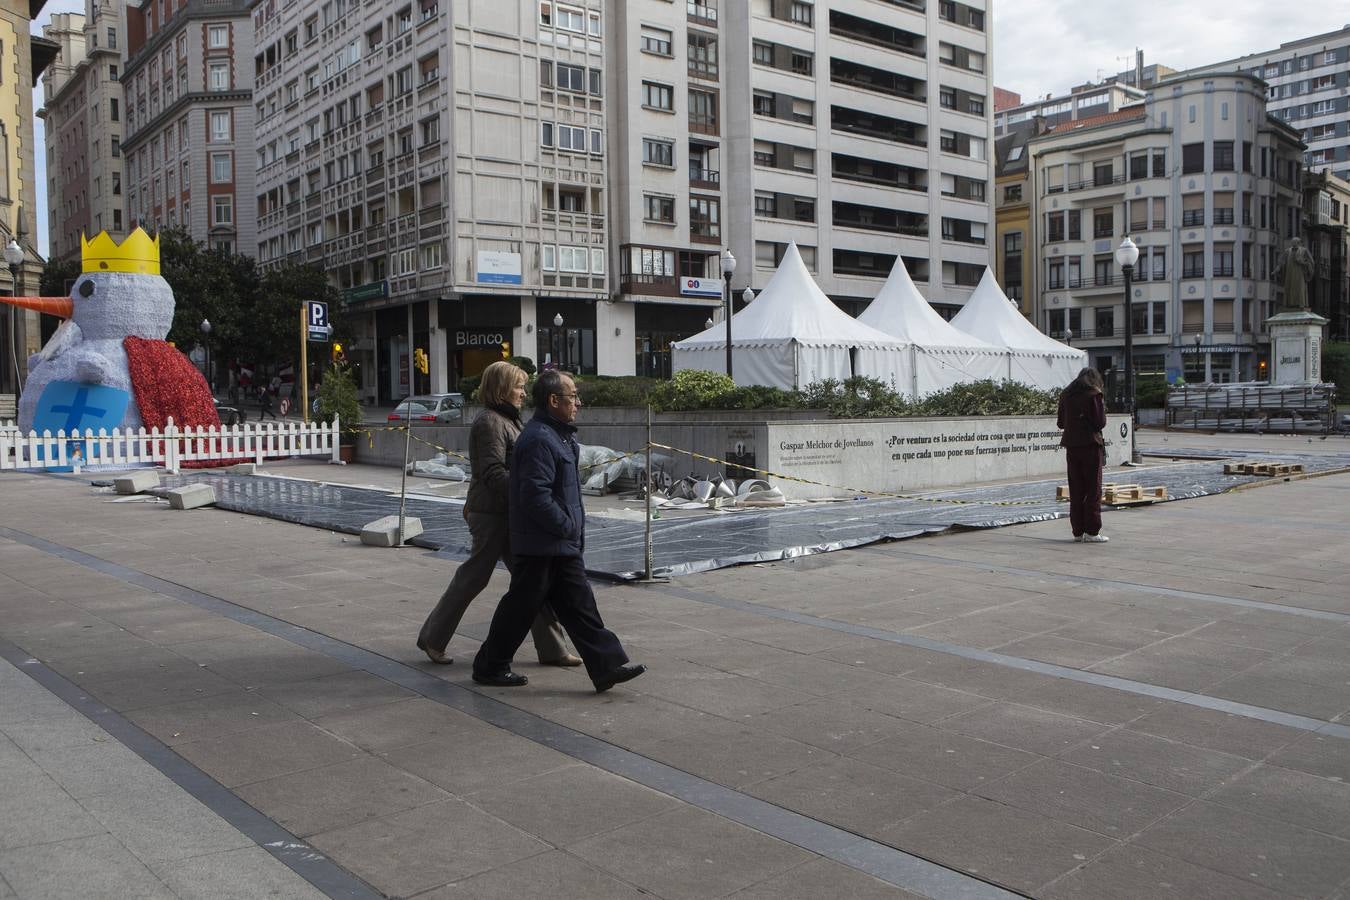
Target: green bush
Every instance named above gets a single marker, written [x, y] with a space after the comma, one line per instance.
[692, 389]
[1336, 368]
[989, 398]
[610, 390]
[855, 398]
[468, 386]
[1150, 392]
[337, 397]
[523, 362]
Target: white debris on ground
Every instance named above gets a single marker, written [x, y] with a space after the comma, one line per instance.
[439, 466]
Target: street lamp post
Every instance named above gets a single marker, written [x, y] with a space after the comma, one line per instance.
[560, 339]
[1068, 337]
[1199, 360]
[728, 269]
[1127, 254]
[746, 297]
[206, 348]
[14, 257]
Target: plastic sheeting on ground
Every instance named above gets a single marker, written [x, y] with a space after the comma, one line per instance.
[615, 546]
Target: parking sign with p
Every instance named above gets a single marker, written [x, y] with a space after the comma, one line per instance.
[316, 320]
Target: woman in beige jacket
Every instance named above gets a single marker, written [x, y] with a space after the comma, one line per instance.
[491, 439]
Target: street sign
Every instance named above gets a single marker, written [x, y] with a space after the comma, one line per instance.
[316, 320]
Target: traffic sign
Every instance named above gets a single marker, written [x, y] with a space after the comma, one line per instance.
[316, 321]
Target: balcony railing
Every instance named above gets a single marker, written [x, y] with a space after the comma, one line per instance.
[704, 177]
[1192, 218]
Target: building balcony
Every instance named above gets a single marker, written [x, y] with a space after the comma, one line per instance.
[705, 178]
[657, 285]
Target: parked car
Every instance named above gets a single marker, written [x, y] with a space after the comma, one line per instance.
[439, 408]
[229, 415]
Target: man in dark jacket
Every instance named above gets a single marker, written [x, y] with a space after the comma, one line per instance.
[548, 534]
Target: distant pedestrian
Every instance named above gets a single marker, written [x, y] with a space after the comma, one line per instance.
[1082, 416]
[264, 403]
[491, 440]
[548, 535]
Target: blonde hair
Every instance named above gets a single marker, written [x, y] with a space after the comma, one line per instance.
[499, 381]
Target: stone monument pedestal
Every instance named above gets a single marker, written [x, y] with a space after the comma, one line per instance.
[1296, 347]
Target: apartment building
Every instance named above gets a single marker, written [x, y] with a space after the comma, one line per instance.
[1207, 183]
[1084, 102]
[1307, 86]
[447, 163]
[187, 141]
[83, 107]
[1326, 232]
[25, 57]
[862, 131]
[1014, 261]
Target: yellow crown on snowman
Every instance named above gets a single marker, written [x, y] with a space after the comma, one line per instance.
[138, 254]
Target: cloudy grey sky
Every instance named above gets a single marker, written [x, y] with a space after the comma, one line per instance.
[1047, 46]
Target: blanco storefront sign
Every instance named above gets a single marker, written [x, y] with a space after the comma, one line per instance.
[498, 267]
[479, 339]
[902, 456]
[700, 287]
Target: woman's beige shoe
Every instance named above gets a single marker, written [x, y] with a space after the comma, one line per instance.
[435, 656]
[566, 659]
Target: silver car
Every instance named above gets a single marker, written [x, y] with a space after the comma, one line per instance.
[429, 408]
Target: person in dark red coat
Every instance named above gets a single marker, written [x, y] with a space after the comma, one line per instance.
[1082, 416]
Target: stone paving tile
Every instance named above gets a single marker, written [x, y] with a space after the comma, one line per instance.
[266, 752]
[100, 768]
[427, 847]
[330, 694]
[1158, 667]
[229, 712]
[944, 758]
[1248, 633]
[1315, 754]
[400, 723]
[1284, 694]
[978, 634]
[161, 823]
[717, 692]
[1298, 666]
[571, 804]
[1110, 634]
[246, 874]
[830, 723]
[95, 866]
[475, 757]
[1276, 855]
[260, 660]
[822, 878]
[1216, 730]
[37, 810]
[852, 795]
[342, 794]
[1019, 849]
[567, 877]
[880, 656]
[689, 853]
[914, 701]
[1088, 702]
[1166, 764]
[1059, 650]
[986, 679]
[1025, 728]
[1306, 800]
[731, 753]
[1111, 806]
[134, 687]
[1129, 872]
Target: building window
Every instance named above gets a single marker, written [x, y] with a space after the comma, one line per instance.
[571, 78]
[432, 257]
[217, 37]
[218, 76]
[220, 126]
[1223, 156]
[657, 208]
[1192, 263]
[658, 96]
[1012, 193]
[658, 152]
[222, 169]
[222, 209]
[705, 217]
[656, 40]
[702, 111]
[702, 55]
[116, 146]
[1192, 158]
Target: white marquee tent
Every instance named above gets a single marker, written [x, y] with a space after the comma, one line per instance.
[793, 335]
[1034, 358]
[939, 355]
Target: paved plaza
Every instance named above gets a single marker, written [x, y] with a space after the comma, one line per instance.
[207, 704]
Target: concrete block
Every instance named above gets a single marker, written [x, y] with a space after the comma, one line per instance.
[384, 532]
[192, 496]
[244, 468]
[137, 482]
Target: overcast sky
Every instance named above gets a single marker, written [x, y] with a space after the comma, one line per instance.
[1048, 46]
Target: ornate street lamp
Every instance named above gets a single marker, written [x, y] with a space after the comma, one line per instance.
[206, 347]
[1127, 254]
[14, 257]
[728, 269]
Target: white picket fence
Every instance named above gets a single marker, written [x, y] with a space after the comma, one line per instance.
[169, 447]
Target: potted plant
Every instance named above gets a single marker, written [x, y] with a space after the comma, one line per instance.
[337, 398]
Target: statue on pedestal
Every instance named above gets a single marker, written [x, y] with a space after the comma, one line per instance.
[1298, 271]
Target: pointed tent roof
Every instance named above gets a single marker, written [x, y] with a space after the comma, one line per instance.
[900, 310]
[990, 316]
[793, 307]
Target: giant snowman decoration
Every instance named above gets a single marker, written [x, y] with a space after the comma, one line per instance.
[108, 365]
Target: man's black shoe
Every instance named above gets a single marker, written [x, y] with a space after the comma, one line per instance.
[619, 676]
[505, 679]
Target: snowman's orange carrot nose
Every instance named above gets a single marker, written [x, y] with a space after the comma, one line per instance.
[52, 306]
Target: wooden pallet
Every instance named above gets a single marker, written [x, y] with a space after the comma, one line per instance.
[1269, 470]
[1122, 494]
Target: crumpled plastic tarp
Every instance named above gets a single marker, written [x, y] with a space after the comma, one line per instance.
[439, 466]
[601, 466]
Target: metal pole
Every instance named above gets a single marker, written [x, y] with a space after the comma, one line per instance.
[648, 564]
[403, 480]
[303, 374]
[14, 330]
[727, 291]
[1129, 363]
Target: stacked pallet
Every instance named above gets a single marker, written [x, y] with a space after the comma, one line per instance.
[1268, 469]
[1114, 494]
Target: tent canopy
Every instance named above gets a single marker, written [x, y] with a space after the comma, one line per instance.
[901, 311]
[792, 335]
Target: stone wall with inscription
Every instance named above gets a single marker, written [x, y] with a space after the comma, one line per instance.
[917, 454]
